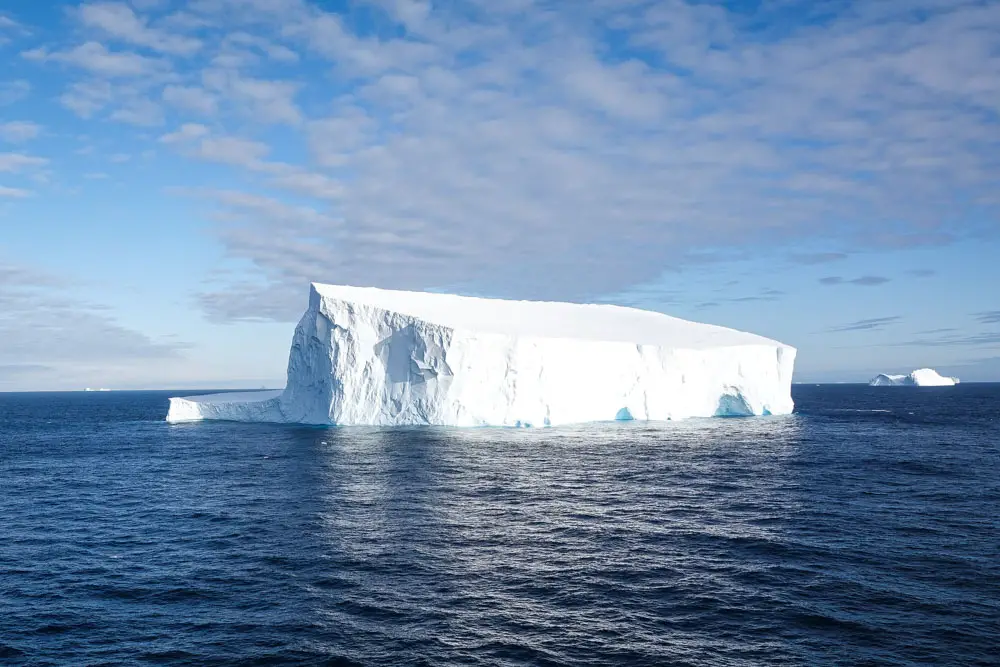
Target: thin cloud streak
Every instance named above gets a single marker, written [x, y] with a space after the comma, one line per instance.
[817, 257]
[864, 281]
[871, 324]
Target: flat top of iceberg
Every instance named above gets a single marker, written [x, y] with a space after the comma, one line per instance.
[236, 396]
[546, 319]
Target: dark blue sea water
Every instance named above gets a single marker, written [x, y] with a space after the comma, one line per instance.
[865, 529]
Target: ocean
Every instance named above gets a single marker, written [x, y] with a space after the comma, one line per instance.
[862, 530]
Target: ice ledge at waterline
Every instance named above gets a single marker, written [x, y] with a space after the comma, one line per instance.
[366, 356]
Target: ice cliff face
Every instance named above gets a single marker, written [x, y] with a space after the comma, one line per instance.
[363, 356]
[922, 377]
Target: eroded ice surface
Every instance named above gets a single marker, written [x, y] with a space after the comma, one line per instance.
[922, 377]
[366, 356]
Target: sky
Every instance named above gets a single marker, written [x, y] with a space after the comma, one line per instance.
[174, 174]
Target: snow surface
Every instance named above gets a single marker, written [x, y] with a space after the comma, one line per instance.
[922, 377]
[366, 356]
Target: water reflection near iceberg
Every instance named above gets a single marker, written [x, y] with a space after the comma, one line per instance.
[534, 528]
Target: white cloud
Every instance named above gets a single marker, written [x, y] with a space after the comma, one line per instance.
[627, 91]
[300, 181]
[85, 98]
[273, 50]
[13, 163]
[411, 13]
[15, 193]
[96, 58]
[333, 140]
[146, 5]
[187, 132]
[195, 141]
[192, 99]
[11, 27]
[550, 153]
[19, 131]
[48, 332]
[139, 111]
[231, 150]
[13, 91]
[265, 101]
[117, 20]
[507, 140]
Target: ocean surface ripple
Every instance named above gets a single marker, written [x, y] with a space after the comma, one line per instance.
[864, 529]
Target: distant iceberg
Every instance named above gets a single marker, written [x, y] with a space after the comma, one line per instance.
[365, 356]
[922, 377]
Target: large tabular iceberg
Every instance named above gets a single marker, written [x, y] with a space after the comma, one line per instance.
[366, 356]
[922, 377]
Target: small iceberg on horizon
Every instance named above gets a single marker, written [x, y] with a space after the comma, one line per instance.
[922, 377]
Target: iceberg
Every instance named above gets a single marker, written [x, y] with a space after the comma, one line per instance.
[368, 356]
[922, 377]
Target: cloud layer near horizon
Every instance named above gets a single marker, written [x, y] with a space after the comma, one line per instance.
[521, 148]
[48, 334]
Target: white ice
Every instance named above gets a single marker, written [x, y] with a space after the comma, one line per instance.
[366, 356]
[922, 377]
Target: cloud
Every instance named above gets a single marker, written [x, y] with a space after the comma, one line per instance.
[187, 132]
[990, 338]
[334, 141]
[125, 102]
[869, 281]
[984, 369]
[865, 281]
[765, 295]
[42, 327]
[921, 273]
[9, 370]
[274, 51]
[9, 26]
[94, 57]
[266, 101]
[191, 98]
[542, 130]
[194, 140]
[13, 91]
[817, 257]
[139, 111]
[300, 181]
[231, 150]
[85, 98]
[19, 131]
[870, 324]
[988, 317]
[146, 5]
[117, 20]
[327, 35]
[14, 193]
[454, 146]
[13, 163]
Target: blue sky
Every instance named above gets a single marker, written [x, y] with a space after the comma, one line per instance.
[173, 174]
